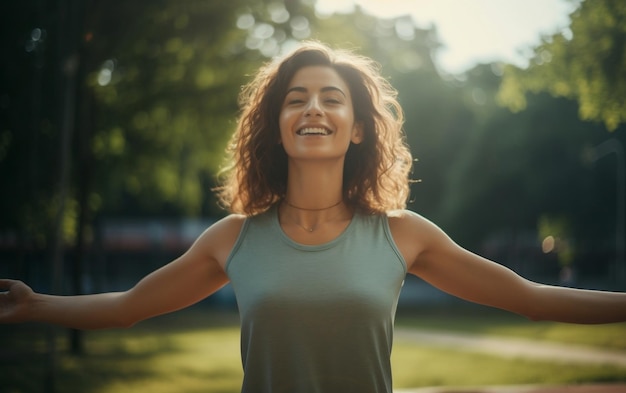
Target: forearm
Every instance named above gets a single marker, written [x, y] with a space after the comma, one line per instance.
[577, 305]
[98, 311]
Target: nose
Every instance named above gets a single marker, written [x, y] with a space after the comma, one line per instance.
[313, 108]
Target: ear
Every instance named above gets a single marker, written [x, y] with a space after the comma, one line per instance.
[357, 133]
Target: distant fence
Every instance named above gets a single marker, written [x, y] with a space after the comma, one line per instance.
[120, 252]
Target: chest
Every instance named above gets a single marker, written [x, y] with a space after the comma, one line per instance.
[345, 279]
[360, 268]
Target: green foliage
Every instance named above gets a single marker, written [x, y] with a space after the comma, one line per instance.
[396, 43]
[165, 98]
[483, 169]
[157, 89]
[156, 101]
[515, 168]
[585, 62]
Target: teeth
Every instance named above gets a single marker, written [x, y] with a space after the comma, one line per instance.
[313, 131]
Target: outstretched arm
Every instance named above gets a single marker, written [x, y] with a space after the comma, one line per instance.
[434, 257]
[190, 278]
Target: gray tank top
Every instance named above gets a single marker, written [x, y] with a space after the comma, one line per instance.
[316, 319]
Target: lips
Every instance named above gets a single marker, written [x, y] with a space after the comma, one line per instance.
[313, 131]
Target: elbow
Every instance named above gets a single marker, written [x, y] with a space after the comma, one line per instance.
[126, 320]
[116, 322]
[527, 312]
[530, 310]
[126, 324]
[527, 307]
[124, 313]
[532, 306]
[113, 322]
[534, 311]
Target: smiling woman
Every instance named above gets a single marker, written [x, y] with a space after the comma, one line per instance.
[317, 118]
[319, 244]
[346, 96]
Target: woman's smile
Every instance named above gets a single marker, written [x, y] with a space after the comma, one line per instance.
[317, 108]
[315, 131]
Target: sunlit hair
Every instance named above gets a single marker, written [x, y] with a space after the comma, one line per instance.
[375, 171]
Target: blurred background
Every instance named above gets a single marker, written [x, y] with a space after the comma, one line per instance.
[114, 116]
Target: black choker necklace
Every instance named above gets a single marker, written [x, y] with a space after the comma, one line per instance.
[312, 210]
[313, 228]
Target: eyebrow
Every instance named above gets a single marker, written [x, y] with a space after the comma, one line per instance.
[301, 89]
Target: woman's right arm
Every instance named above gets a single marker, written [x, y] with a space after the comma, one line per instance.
[196, 274]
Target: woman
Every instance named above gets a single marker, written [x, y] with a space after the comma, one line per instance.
[318, 244]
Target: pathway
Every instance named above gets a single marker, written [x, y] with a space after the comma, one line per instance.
[515, 348]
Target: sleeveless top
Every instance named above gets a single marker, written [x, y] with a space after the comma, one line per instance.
[316, 318]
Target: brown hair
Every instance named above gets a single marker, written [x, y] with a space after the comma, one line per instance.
[375, 171]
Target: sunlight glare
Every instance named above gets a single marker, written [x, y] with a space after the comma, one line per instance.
[472, 31]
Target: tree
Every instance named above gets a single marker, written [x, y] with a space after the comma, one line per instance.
[585, 62]
[520, 174]
[154, 100]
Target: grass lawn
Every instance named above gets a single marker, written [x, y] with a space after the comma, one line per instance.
[198, 351]
[486, 321]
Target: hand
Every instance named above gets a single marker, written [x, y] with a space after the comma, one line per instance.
[14, 299]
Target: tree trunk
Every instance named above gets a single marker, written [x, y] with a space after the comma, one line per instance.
[68, 38]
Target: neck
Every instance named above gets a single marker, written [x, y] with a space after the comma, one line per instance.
[312, 219]
[314, 187]
[317, 209]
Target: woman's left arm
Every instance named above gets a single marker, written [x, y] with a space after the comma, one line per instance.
[434, 257]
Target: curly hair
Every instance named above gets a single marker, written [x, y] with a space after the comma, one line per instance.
[376, 171]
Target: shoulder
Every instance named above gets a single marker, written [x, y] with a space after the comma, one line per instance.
[401, 221]
[225, 229]
[413, 233]
[219, 239]
[232, 222]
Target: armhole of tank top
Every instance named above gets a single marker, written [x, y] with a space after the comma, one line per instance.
[233, 251]
[392, 243]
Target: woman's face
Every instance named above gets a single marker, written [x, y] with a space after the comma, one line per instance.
[317, 117]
